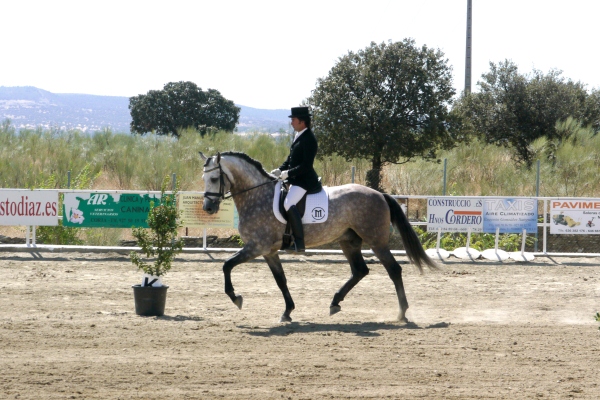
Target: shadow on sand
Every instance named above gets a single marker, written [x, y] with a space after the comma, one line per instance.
[180, 318]
[367, 329]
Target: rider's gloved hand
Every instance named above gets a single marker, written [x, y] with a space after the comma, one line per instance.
[284, 175]
[276, 172]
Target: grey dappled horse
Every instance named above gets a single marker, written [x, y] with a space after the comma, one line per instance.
[357, 214]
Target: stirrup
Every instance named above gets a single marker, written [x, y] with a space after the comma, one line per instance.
[290, 246]
[302, 250]
[295, 248]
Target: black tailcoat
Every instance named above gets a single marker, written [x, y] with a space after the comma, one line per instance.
[299, 163]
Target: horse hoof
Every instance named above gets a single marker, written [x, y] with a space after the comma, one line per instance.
[403, 320]
[334, 310]
[239, 301]
[285, 318]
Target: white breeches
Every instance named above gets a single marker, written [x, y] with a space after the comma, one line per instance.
[294, 195]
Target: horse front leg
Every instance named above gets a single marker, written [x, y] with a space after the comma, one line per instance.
[277, 270]
[245, 254]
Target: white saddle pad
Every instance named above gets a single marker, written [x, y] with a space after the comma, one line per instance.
[317, 206]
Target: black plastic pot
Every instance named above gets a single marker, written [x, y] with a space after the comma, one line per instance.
[150, 301]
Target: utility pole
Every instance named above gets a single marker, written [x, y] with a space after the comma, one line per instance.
[468, 57]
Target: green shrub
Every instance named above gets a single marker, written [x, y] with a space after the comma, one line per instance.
[479, 241]
[237, 239]
[160, 240]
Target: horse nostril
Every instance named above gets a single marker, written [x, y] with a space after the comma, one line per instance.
[210, 207]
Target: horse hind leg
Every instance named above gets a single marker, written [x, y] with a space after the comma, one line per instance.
[351, 248]
[394, 271]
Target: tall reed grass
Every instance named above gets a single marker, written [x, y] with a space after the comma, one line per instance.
[569, 167]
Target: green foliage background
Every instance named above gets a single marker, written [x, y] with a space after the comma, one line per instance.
[569, 164]
[107, 160]
[383, 105]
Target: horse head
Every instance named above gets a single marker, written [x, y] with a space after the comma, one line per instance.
[216, 182]
[233, 171]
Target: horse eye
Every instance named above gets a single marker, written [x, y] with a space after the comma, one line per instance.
[214, 180]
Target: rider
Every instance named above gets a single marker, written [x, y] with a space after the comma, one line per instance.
[298, 170]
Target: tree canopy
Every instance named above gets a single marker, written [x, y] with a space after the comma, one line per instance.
[514, 109]
[182, 105]
[387, 103]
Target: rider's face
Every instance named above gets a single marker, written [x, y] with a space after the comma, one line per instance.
[297, 124]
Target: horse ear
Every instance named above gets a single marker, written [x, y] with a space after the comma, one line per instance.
[202, 156]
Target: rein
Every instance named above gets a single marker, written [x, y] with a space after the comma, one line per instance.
[221, 194]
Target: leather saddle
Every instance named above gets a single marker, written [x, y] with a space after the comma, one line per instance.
[301, 205]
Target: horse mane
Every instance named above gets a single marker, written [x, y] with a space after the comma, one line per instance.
[248, 159]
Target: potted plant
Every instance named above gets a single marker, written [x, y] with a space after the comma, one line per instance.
[161, 243]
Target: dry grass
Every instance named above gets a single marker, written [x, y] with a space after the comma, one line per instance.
[107, 160]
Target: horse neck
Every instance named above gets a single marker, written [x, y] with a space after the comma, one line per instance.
[246, 178]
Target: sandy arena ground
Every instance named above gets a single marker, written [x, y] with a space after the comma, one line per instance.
[482, 330]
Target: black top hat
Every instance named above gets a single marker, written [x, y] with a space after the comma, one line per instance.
[299, 112]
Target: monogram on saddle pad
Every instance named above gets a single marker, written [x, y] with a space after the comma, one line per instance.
[313, 207]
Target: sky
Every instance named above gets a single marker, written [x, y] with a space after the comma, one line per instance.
[269, 54]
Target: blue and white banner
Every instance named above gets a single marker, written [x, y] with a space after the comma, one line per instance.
[510, 215]
[481, 214]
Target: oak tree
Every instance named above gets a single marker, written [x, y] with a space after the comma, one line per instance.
[388, 103]
[182, 105]
[513, 109]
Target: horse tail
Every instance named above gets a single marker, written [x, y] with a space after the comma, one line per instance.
[412, 245]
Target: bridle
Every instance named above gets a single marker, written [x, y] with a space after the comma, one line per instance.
[221, 193]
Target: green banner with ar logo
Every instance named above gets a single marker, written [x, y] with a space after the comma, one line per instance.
[107, 210]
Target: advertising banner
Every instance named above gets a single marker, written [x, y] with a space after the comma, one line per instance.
[29, 207]
[107, 210]
[510, 215]
[575, 216]
[456, 214]
[193, 216]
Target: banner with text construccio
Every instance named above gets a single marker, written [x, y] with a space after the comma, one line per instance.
[107, 210]
[456, 214]
[575, 216]
[459, 214]
[29, 207]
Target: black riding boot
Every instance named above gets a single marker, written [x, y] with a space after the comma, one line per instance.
[296, 223]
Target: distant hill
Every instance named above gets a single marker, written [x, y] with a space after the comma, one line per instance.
[30, 107]
[261, 120]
